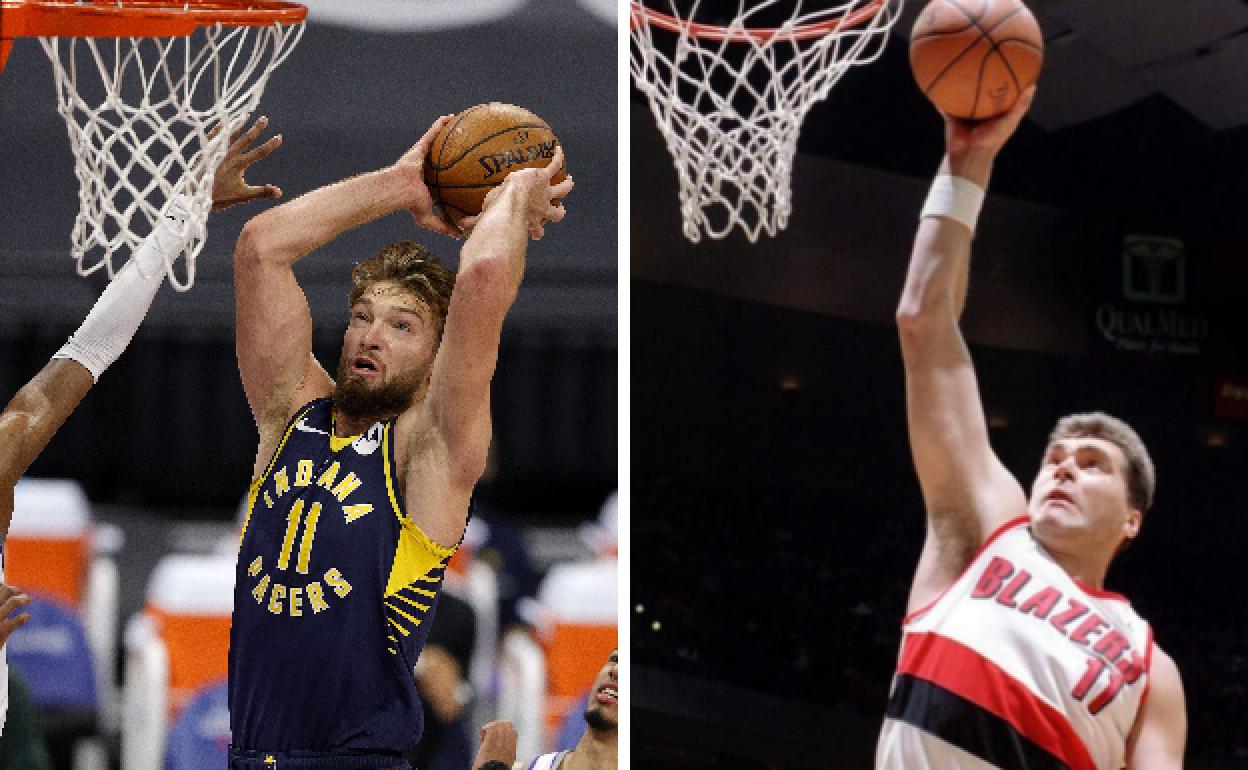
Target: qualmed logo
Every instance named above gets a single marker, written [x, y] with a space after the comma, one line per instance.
[1154, 269]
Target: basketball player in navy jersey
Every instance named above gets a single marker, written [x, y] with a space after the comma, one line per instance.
[1014, 655]
[362, 481]
[42, 405]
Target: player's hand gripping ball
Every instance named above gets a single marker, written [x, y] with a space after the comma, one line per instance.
[476, 150]
[973, 58]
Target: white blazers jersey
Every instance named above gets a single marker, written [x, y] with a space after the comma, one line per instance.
[1016, 665]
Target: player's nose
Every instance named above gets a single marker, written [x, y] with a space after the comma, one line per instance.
[372, 336]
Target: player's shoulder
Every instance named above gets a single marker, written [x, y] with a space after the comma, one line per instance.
[1163, 669]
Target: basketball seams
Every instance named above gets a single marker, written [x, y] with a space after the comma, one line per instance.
[985, 35]
[446, 137]
[469, 186]
[973, 23]
[941, 32]
[462, 211]
[437, 168]
[1020, 41]
[1018, 84]
[485, 139]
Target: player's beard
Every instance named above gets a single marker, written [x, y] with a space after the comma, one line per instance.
[355, 398]
[596, 717]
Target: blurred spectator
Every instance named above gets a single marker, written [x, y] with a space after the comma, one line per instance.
[441, 680]
[21, 741]
[499, 541]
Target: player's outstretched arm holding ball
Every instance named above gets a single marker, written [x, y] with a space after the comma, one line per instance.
[451, 432]
[969, 494]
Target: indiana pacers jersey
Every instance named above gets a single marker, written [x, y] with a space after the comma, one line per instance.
[1016, 665]
[334, 592]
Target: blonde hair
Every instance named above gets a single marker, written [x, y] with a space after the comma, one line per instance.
[1141, 476]
[410, 265]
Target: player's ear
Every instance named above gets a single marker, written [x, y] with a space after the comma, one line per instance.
[1131, 527]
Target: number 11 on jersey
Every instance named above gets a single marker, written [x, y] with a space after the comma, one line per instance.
[305, 544]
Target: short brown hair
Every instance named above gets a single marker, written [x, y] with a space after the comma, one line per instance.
[1141, 477]
[410, 265]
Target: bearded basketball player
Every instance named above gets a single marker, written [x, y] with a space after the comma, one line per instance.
[42, 405]
[362, 481]
[1013, 653]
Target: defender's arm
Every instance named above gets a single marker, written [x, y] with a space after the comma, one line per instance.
[457, 408]
[34, 415]
[41, 406]
[966, 490]
[1159, 735]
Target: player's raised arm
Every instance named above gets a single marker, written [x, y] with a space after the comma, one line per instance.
[274, 325]
[41, 406]
[966, 490]
[491, 265]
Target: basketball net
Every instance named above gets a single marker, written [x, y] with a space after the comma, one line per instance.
[141, 114]
[730, 100]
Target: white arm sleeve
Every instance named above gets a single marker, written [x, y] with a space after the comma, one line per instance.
[116, 316]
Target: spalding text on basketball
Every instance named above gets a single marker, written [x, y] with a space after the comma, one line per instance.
[502, 162]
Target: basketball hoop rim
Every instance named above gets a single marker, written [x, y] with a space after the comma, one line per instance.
[140, 18]
[639, 14]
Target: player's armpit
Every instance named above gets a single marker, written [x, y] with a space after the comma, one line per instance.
[38, 410]
[1159, 735]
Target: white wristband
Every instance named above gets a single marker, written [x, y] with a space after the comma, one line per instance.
[123, 304]
[955, 198]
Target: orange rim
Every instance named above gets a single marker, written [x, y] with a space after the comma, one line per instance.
[643, 15]
[139, 18]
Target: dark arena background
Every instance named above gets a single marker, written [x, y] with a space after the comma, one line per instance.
[776, 517]
[163, 446]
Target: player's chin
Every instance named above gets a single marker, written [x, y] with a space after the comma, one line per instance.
[1054, 523]
[602, 716]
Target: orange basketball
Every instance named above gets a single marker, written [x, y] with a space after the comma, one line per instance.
[474, 153]
[973, 58]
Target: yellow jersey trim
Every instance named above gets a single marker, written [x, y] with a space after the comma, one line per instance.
[386, 463]
[416, 604]
[254, 490]
[414, 620]
[337, 444]
[416, 555]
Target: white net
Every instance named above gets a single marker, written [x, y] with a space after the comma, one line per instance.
[141, 114]
[730, 99]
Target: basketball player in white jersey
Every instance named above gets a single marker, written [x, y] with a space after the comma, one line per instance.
[41, 406]
[1014, 655]
[598, 748]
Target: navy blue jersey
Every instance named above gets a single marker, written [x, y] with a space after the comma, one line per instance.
[334, 592]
